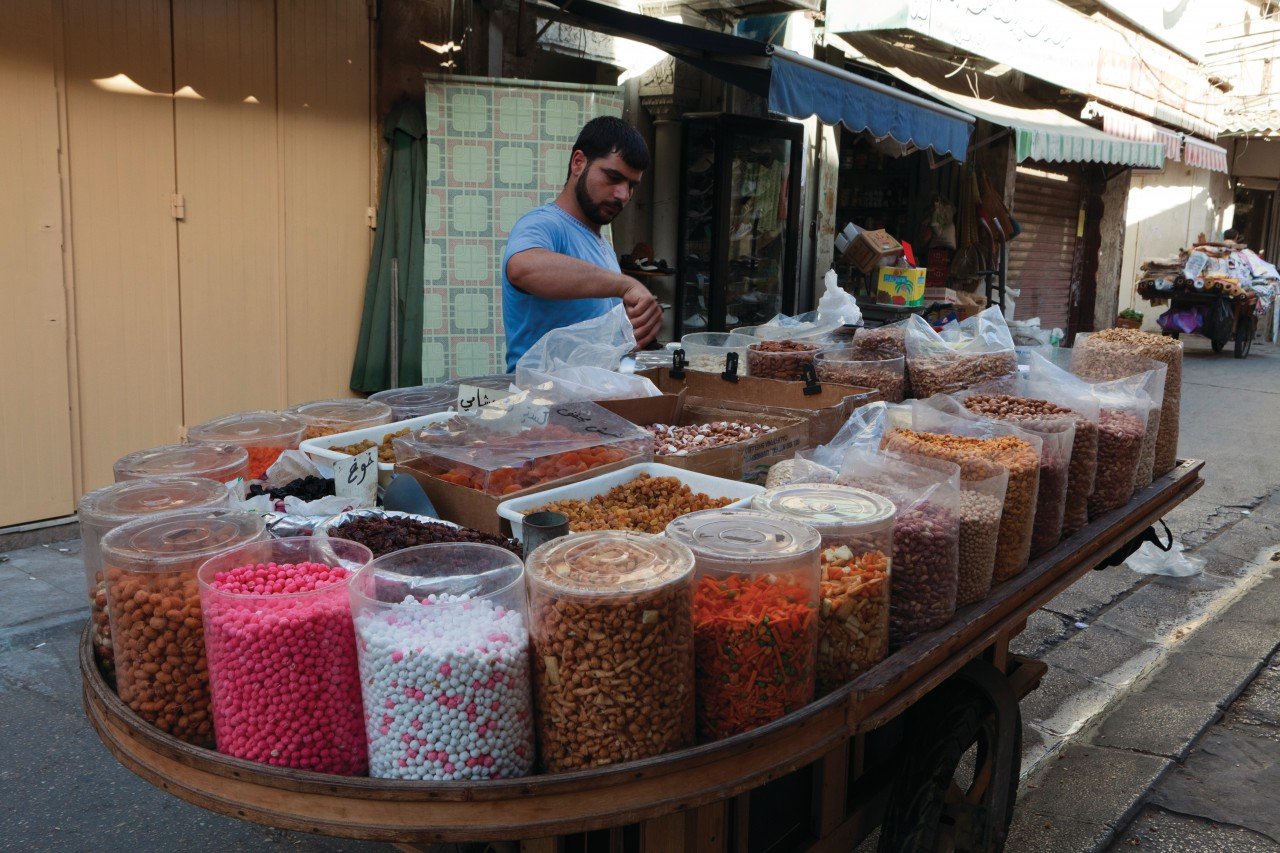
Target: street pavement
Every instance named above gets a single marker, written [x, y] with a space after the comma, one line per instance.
[1160, 707]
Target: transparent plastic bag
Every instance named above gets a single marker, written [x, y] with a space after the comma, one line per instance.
[974, 443]
[581, 362]
[523, 441]
[926, 535]
[978, 350]
[981, 507]
[1119, 365]
[836, 308]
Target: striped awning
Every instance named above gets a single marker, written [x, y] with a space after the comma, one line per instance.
[1205, 155]
[1121, 124]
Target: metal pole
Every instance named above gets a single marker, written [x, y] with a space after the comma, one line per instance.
[395, 323]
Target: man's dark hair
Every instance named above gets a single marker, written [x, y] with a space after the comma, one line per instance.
[1231, 234]
[604, 135]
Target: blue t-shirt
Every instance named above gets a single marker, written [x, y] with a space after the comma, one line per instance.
[527, 317]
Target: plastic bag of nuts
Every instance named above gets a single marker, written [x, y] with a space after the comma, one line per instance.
[847, 367]
[981, 505]
[1095, 350]
[1056, 427]
[1120, 366]
[856, 527]
[885, 342]
[785, 360]
[153, 599]
[610, 618]
[926, 535]
[1122, 425]
[973, 352]
[973, 443]
[755, 616]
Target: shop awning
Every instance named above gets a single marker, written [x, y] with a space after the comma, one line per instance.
[794, 85]
[1206, 155]
[1121, 124]
[1041, 132]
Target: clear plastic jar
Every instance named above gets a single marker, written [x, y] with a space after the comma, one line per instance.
[443, 640]
[282, 653]
[420, 400]
[263, 435]
[221, 462]
[851, 365]
[611, 623]
[785, 360]
[708, 351]
[755, 616]
[104, 510]
[327, 417]
[153, 599]
[856, 527]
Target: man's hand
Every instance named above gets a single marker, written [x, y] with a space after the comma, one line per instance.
[643, 311]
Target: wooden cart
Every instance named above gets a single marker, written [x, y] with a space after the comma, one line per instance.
[882, 752]
[1243, 325]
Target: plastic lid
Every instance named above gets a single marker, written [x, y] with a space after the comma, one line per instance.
[829, 508]
[736, 540]
[221, 462]
[122, 502]
[419, 400]
[717, 340]
[351, 411]
[494, 381]
[166, 542]
[248, 428]
[609, 563]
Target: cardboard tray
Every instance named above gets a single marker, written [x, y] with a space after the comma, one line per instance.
[825, 410]
[745, 460]
[513, 510]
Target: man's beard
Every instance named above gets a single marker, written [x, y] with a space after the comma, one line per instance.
[597, 213]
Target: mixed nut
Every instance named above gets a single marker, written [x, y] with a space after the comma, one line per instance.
[670, 440]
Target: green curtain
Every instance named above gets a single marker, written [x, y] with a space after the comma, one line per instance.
[399, 235]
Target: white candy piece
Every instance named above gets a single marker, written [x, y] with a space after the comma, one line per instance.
[446, 690]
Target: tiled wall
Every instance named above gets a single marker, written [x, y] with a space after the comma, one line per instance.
[495, 149]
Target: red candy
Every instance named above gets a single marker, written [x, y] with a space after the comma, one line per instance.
[282, 667]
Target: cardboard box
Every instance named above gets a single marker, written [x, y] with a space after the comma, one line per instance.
[744, 460]
[900, 286]
[939, 294]
[824, 411]
[871, 249]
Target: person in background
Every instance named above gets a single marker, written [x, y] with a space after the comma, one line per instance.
[558, 270]
[1231, 235]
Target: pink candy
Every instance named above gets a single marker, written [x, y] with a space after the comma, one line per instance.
[283, 669]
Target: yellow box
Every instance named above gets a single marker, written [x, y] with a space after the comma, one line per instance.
[900, 285]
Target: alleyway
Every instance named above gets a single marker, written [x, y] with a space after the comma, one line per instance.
[1140, 667]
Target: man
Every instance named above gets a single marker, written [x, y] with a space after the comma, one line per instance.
[557, 269]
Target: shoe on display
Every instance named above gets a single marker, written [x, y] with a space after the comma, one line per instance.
[696, 321]
[646, 265]
[742, 231]
[731, 319]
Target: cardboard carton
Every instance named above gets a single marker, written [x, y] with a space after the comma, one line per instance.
[900, 286]
[871, 249]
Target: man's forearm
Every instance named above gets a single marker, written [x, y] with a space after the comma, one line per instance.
[551, 275]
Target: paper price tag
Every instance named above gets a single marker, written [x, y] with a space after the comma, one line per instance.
[472, 397]
[357, 477]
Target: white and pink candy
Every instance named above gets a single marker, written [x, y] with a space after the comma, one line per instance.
[446, 690]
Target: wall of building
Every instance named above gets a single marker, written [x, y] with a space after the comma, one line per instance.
[1166, 212]
[1115, 203]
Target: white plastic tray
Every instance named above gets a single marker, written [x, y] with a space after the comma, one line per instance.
[318, 449]
[717, 487]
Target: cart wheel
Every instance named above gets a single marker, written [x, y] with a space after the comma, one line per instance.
[931, 810]
[1245, 328]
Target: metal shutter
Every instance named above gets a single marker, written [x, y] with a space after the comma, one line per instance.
[1042, 256]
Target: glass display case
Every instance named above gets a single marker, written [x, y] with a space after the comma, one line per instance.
[739, 221]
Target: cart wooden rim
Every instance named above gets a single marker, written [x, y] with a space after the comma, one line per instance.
[611, 796]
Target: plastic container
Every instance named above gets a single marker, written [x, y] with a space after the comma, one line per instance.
[611, 623]
[153, 599]
[856, 527]
[514, 444]
[492, 381]
[420, 400]
[708, 351]
[755, 616]
[514, 510]
[784, 360]
[445, 622]
[263, 435]
[221, 462]
[321, 449]
[103, 510]
[282, 655]
[326, 417]
[851, 366]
